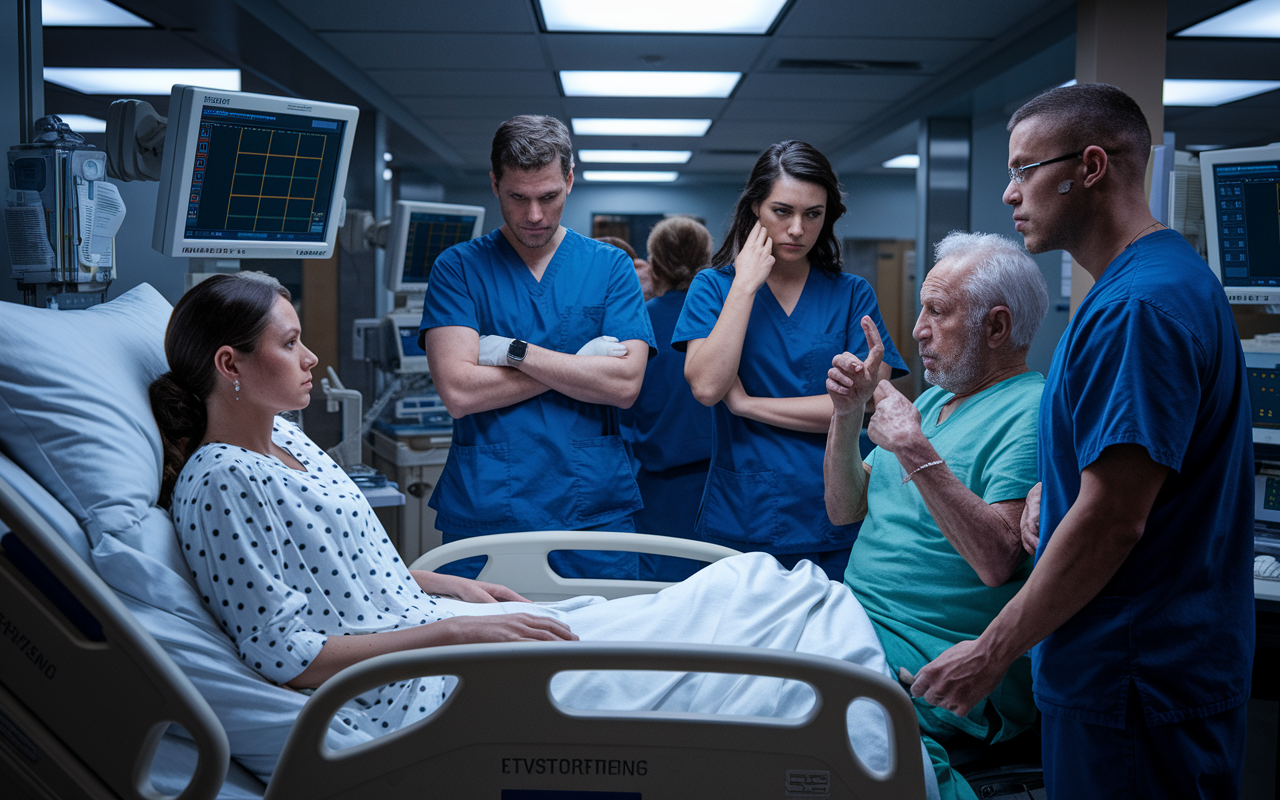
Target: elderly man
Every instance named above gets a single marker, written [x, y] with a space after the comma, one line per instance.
[1141, 599]
[939, 553]
[521, 328]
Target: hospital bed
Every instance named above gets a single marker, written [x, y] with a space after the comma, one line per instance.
[106, 649]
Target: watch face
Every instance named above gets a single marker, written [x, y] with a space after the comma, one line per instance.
[517, 349]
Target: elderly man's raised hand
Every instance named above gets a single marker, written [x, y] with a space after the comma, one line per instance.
[851, 380]
[755, 260]
[896, 422]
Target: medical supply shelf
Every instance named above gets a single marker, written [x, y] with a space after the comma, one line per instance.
[414, 460]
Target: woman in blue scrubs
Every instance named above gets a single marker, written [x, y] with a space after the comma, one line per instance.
[760, 332]
[668, 430]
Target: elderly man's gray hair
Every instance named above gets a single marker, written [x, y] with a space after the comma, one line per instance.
[1004, 276]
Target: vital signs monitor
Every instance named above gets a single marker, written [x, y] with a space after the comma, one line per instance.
[1241, 190]
[251, 175]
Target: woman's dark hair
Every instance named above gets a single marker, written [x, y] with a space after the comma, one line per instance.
[679, 247]
[803, 162]
[232, 309]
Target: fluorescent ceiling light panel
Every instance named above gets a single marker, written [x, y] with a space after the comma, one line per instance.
[638, 83]
[661, 16]
[1189, 92]
[1259, 19]
[639, 127]
[105, 80]
[910, 161]
[80, 123]
[622, 176]
[88, 13]
[635, 156]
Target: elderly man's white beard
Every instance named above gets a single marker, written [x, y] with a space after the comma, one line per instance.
[962, 374]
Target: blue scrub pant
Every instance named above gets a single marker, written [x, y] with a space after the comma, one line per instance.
[565, 563]
[671, 498]
[1195, 758]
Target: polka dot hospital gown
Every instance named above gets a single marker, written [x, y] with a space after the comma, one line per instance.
[284, 559]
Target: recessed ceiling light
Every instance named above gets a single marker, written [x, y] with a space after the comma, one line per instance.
[81, 123]
[661, 16]
[88, 13]
[111, 80]
[1190, 92]
[1200, 148]
[640, 127]
[617, 83]
[1259, 19]
[622, 176]
[635, 156]
[909, 161]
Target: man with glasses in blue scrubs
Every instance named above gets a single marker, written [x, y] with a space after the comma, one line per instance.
[536, 336]
[1140, 605]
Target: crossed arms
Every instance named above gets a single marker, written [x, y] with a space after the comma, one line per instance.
[468, 388]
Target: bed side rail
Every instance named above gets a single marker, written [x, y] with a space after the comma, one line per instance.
[85, 692]
[501, 734]
[519, 560]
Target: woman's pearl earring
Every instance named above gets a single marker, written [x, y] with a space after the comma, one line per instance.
[237, 390]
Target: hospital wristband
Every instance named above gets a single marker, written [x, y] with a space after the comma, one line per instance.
[922, 466]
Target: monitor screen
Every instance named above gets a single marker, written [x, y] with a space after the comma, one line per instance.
[252, 176]
[419, 233]
[1242, 208]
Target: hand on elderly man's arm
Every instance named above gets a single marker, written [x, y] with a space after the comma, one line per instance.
[987, 535]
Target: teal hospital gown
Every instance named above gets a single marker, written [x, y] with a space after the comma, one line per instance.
[921, 595]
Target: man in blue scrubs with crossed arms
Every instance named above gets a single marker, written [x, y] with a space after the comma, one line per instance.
[1141, 599]
[536, 336]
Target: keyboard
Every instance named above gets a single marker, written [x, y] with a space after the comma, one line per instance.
[1266, 568]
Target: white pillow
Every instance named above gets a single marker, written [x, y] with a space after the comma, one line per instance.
[73, 404]
[74, 413]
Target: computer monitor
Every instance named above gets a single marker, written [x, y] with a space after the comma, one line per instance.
[1241, 191]
[419, 233]
[252, 176]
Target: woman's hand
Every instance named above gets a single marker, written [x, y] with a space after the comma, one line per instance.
[464, 589]
[502, 628]
[755, 259]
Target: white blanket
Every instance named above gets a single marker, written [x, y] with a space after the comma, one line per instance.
[747, 600]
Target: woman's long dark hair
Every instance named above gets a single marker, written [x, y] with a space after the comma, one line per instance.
[803, 162]
[232, 309]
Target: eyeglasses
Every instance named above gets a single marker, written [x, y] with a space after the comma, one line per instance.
[1019, 174]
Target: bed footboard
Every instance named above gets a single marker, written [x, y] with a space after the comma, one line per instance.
[501, 735]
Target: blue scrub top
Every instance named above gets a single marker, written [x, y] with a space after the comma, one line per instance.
[1152, 357]
[667, 427]
[550, 462]
[765, 488]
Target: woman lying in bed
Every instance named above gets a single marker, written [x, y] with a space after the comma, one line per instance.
[293, 563]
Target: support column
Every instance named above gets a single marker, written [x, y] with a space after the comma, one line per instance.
[21, 98]
[942, 192]
[1122, 42]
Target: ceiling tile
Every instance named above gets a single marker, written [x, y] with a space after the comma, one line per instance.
[467, 83]
[914, 19]
[848, 111]
[618, 51]
[440, 50]
[826, 88]
[499, 16]
[492, 109]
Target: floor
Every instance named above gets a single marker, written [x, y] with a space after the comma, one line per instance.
[1260, 753]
